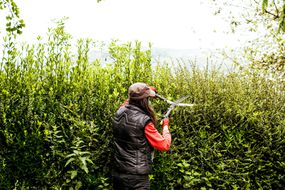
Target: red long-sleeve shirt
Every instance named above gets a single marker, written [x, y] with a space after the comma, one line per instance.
[155, 139]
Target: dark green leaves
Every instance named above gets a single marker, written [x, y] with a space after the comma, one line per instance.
[56, 110]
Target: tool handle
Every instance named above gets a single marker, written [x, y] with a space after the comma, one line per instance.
[168, 111]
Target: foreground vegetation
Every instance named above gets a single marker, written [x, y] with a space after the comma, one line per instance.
[56, 109]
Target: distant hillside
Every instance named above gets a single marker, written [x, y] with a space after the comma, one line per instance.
[177, 53]
[201, 57]
[160, 53]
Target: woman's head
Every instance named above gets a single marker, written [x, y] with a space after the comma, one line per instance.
[140, 90]
[139, 94]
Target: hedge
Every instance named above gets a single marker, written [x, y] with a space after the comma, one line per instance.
[56, 110]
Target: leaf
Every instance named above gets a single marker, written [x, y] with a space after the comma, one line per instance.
[78, 185]
[67, 180]
[85, 152]
[186, 165]
[90, 161]
[84, 167]
[73, 174]
[68, 161]
[264, 5]
[76, 152]
[83, 160]
[70, 155]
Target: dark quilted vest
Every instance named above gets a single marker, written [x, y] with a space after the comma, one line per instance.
[132, 153]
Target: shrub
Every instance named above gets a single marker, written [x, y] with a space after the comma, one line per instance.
[56, 109]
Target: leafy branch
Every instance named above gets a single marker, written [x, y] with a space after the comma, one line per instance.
[14, 24]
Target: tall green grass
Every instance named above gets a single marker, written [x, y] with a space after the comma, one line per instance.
[56, 108]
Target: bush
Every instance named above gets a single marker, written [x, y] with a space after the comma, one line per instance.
[56, 109]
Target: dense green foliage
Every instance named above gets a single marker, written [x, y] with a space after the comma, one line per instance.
[233, 139]
[56, 109]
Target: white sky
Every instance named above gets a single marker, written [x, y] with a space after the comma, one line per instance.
[180, 24]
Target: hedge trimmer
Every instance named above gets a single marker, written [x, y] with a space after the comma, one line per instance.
[174, 104]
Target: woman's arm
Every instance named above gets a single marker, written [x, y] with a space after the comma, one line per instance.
[155, 139]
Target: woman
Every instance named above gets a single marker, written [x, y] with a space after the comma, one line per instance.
[135, 137]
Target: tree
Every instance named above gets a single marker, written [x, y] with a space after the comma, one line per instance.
[252, 13]
[268, 53]
[265, 50]
[14, 24]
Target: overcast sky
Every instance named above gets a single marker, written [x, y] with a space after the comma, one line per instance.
[181, 24]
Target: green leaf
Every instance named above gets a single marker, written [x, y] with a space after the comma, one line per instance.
[68, 161]
[68, 180]
[264, 5]
[84, 152]
[73, 174]
[78, 185]
[84, 167]
[90, 161]
[70, 155]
